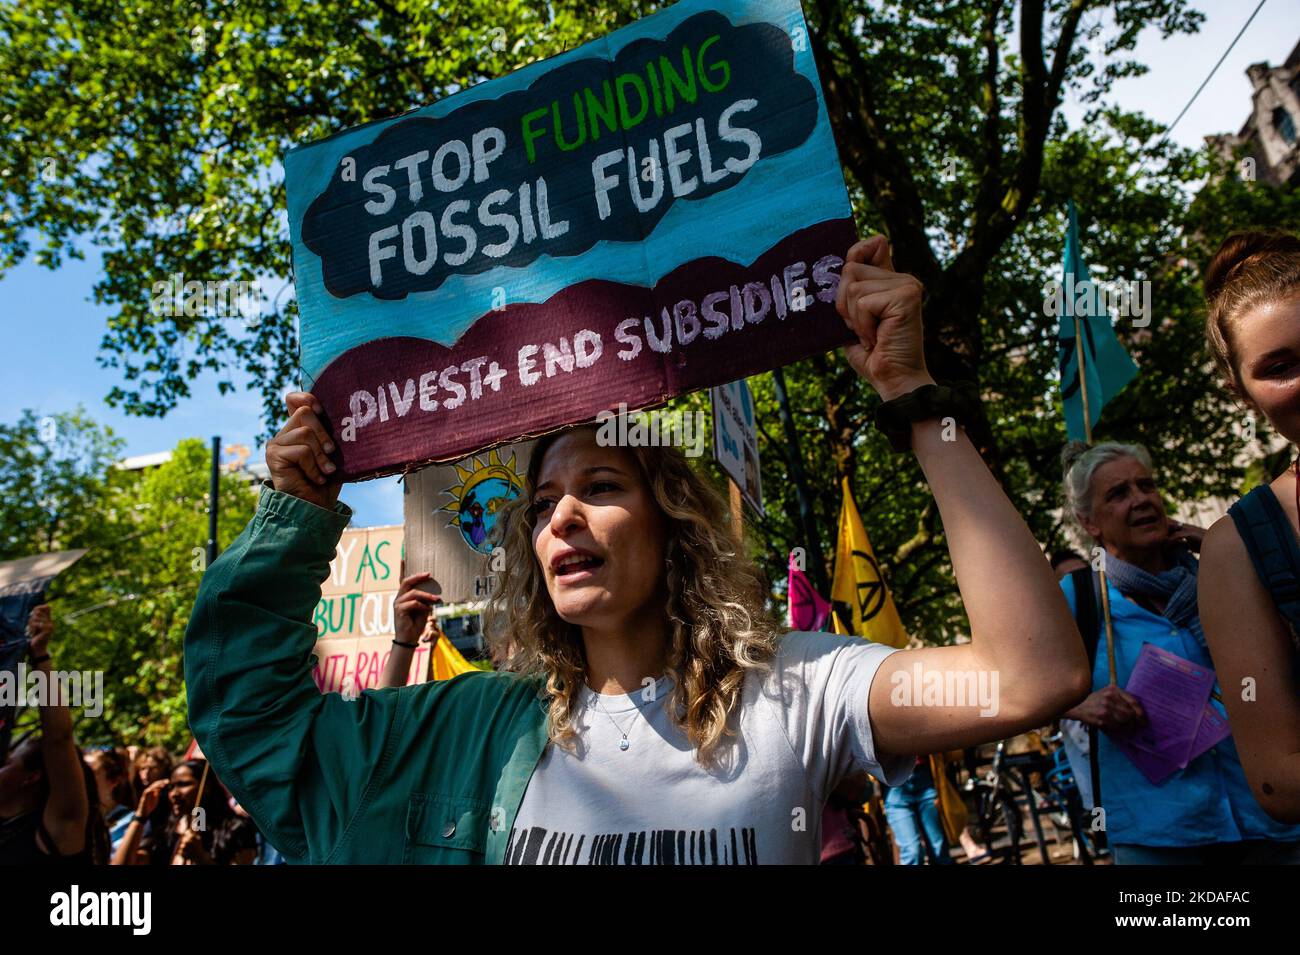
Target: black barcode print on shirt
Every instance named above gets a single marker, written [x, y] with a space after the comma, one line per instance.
[538, 846]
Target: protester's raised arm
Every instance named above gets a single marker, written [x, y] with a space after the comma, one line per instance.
[411, 614]
[128, 851]
[299, 761]
[1251, 647]
[1022, 634]
[68, 805]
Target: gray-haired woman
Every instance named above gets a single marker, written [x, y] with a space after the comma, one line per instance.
[1204, 812]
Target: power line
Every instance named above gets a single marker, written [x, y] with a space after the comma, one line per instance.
[124, 598]
[1214, 70]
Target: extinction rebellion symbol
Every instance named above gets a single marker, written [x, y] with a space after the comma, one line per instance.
[871, 588]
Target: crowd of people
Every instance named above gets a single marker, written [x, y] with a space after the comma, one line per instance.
[142, 805]
[628, 610]
[109, 805]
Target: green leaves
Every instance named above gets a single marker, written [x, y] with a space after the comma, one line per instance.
[52, 482]
[166, 122]
[123, 608]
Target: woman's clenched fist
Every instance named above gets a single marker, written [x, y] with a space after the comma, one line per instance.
[298, 457]
[883, 308]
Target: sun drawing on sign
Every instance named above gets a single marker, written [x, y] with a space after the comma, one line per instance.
[485, 487]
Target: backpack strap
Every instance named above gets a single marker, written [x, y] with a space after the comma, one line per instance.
[1266, 532]
[1087, 611]
[1087, 616]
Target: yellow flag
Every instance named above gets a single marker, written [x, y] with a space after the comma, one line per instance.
[447, 661]
[858, 582]
[952, 808]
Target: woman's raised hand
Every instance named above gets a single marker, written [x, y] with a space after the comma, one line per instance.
[883, 308]
[298, 457]
[40, 627]
[149, 798]
[412, 607]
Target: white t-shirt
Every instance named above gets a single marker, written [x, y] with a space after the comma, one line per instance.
[803, 727]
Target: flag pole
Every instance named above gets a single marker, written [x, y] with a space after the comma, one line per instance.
[198, 800]
[1083, 380]
[1094, 761]
[1101, 571]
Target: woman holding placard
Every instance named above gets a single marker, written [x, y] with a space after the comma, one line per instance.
[654, 712]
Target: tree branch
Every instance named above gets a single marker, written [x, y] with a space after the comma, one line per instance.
[872, 155]
[1040, 96]
[991, 180]
[924, 534]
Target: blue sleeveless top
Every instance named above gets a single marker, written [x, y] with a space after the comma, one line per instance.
[1266, 531]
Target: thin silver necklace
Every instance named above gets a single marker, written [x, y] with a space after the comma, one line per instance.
[623, 744]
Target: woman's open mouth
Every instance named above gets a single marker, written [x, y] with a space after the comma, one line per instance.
[576, 568]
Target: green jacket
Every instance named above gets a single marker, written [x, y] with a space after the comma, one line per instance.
[432, 773]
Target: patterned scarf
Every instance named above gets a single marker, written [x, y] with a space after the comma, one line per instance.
[1177, 587]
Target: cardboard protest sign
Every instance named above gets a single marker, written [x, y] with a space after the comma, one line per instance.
[354, 618]
[450, 513]
[652, 213]
[366, 560]
[357, 597]
[735, 439]
[353, 665]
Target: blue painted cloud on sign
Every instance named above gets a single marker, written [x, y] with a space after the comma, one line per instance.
[594, 151]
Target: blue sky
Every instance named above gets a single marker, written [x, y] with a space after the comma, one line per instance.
[53, 328]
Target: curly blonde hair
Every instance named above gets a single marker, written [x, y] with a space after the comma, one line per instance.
[720, 629]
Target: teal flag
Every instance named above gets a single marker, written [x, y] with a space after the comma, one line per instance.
[1107, 366]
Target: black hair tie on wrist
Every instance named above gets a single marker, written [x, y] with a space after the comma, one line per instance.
[895, 417]
[412, 646]
[41, 659]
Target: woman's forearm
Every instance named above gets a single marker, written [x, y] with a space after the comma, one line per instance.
[1020, 623]
[397, 667]
[68, 804]
[56, 718]
[126, 849]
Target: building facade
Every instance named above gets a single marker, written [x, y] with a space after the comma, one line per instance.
[1269, 141]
